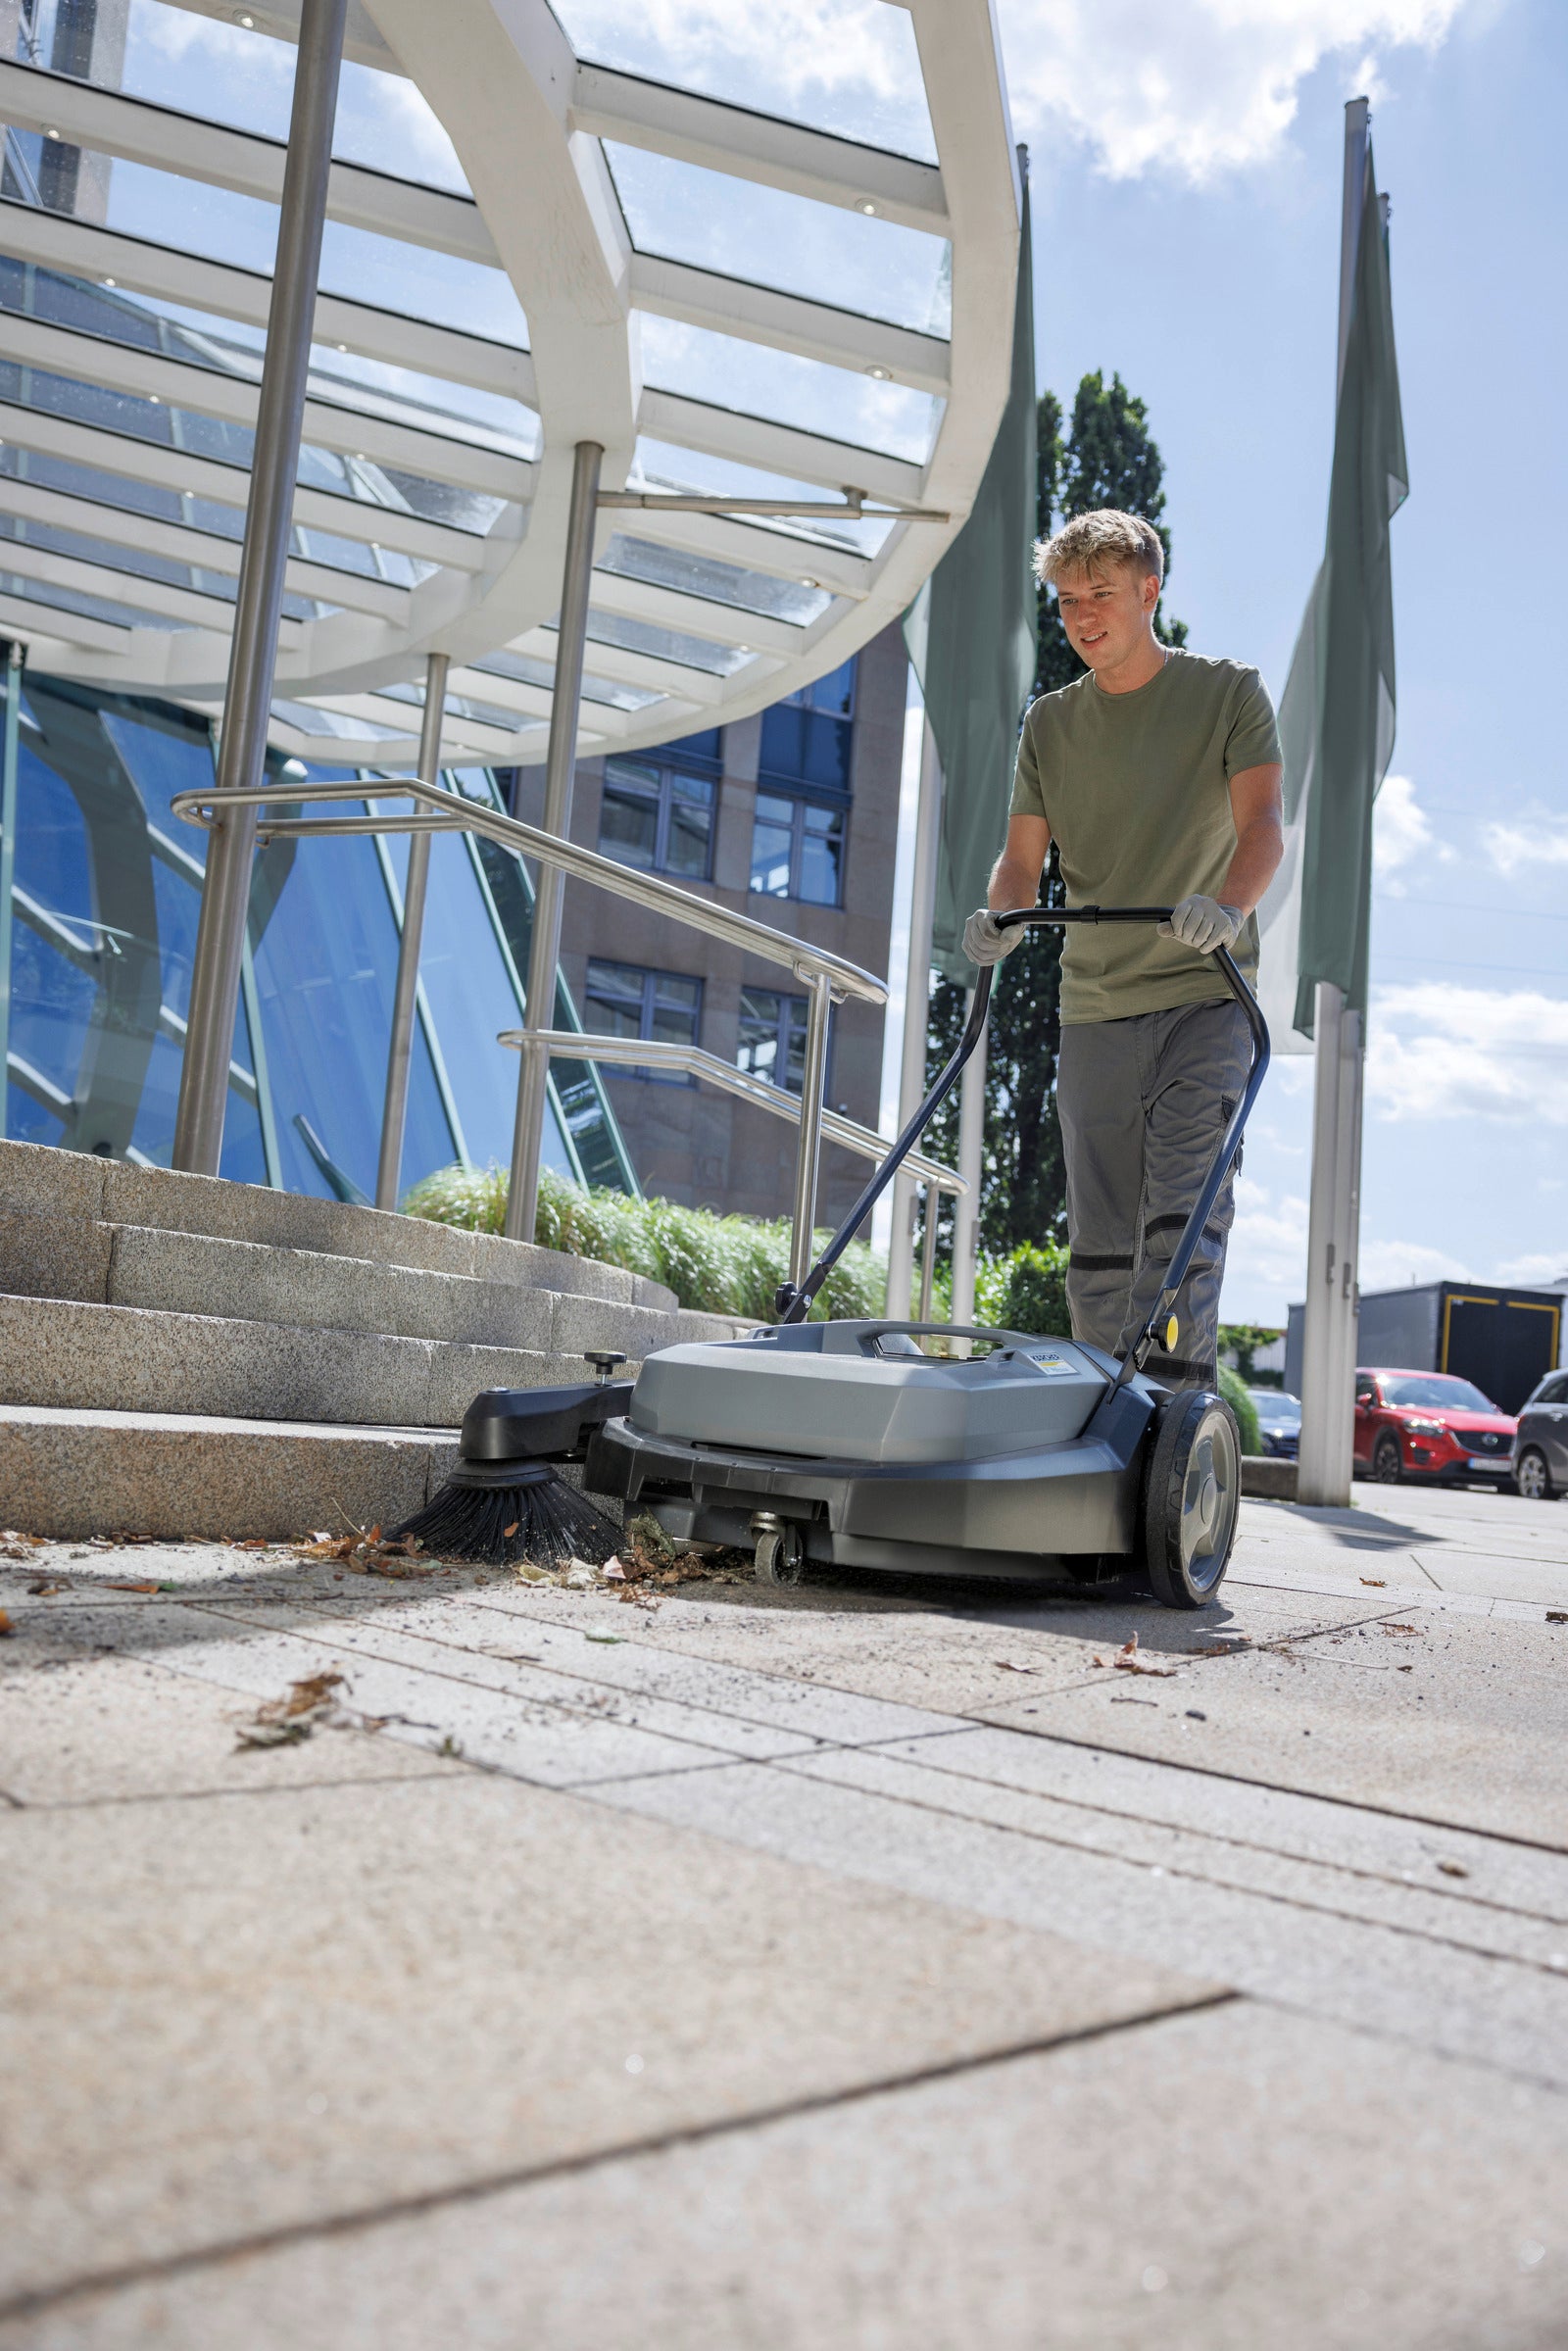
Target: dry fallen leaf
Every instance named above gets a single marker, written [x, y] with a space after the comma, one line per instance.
[1011, 1665]
[1377, 1583]
[613, 1572]
[1128, 1661]
[8, 1631]
[506, 1532]
[1453, 1868]
[130, 1588]
[43, 1590]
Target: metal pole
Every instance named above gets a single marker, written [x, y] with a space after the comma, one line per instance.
[808, 1143]
[971, 1154]
[1315, 1478]
[1328, 1345]
[917, 1016]
[928, 1253]
[253, 649]
[405, 996]
[561, 765]
[7, 863]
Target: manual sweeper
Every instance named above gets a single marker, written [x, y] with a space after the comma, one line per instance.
[912, 1447]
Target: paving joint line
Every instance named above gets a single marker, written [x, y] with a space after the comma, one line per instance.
[32, 2302]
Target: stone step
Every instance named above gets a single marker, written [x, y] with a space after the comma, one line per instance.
[75, 1188]
[67, 1353]
[193, 1273]
[137, 1360]
[78, 1473]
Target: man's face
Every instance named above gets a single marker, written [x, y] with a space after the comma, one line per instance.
[1107, 613]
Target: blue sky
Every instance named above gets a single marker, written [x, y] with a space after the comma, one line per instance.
[1212, 290]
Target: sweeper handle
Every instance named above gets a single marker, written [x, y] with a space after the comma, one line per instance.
[793, 1305]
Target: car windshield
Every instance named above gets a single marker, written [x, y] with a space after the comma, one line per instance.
[1272, 1406]
[1437, 1393]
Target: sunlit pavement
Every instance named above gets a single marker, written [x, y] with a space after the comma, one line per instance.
[832, 1967]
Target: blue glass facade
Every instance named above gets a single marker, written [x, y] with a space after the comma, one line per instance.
[105, 895]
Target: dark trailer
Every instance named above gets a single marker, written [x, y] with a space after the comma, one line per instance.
[1503, 1339]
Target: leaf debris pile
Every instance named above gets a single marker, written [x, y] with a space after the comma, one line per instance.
[311, 1704]
[369, 1554]
[649, 1563]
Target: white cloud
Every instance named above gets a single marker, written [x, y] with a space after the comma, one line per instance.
[1440, 1051]
[1534, 837]
[1546, 1269]
[1199, 90]
[1394, 1264]
[1401, 832]
[1267, 1250]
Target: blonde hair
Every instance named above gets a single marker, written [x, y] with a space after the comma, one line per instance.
[1089, 542]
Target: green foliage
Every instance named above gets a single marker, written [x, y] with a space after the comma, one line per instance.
[1241, 1342]
[1234, 1390]
[718, 1265]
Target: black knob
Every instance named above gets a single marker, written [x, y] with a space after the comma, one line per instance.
[603, 1360]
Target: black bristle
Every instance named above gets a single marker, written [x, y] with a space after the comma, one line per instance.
[537, 1517]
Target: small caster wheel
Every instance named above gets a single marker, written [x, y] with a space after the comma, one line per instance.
[780, 1555]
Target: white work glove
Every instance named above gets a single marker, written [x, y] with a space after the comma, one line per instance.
[984, 939]
[1202, 922]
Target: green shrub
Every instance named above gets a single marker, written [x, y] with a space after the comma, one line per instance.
[718, 1265]
[1234, 1390]
[1034, 1299]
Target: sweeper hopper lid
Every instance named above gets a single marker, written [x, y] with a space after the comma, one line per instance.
[866, 1392]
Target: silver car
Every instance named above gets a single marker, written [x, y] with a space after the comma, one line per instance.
[1540, 1443]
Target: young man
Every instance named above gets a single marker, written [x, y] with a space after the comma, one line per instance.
[1158, 775]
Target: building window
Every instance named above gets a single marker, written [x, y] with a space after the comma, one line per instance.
[808, 738]
[658, 817]
[772, 1043]
[622, 999]
[798, 849]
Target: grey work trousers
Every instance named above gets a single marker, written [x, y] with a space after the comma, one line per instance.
[1142, 1104]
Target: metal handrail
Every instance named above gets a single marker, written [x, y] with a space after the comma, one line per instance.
[828, 978]
[694, 1061]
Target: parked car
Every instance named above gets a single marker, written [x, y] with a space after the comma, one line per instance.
[1540, 1441]
[1430, 1425]
[1279, 1421]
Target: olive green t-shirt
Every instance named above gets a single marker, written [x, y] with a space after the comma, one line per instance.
[1136, 790]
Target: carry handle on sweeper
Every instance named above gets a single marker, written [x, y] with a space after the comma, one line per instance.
[793, 1305]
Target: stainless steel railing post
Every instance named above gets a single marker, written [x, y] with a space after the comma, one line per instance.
[928, 1250]
[560, 760]
[253, 649]
[808, 1149]
[405, 992]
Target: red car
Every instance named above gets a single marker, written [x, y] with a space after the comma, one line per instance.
[1428, 1423]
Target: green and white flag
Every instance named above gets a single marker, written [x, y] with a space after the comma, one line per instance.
[1337, 713]
[971, 639]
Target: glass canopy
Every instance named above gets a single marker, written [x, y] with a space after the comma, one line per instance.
[759, 251]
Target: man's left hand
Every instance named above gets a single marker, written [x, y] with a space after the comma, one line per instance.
[1203, 923]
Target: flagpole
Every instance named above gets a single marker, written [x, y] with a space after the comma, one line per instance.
[1329, 1323]
[917, 1014]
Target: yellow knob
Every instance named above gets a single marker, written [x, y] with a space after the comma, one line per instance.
[1172, 1334]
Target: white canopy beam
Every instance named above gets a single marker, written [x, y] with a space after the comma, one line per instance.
[757, 313]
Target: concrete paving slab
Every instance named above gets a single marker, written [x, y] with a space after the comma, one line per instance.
[1512, 2013]
[528, 1674]
[93, 1730]
[1497, 1575]
[231, 2016]
[1473, 1734]
[1464, 1867]
[1419, 1904]
[955, 1655]
[1180, 2187]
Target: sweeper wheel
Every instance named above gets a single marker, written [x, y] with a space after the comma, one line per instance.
[1192, 1498]
[780, 1555]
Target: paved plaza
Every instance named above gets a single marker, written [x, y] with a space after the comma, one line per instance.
[855, 1966]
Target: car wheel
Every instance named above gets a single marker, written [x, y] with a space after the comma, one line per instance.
[1386, 1466]
[1192, 1498]
[1531, 1478]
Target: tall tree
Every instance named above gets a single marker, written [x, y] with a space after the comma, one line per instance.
[1109, 458]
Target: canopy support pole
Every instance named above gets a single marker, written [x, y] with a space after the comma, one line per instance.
[405, 996]
[253, 649]
[561, 768]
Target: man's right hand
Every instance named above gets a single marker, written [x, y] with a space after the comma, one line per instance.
[985, 940]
